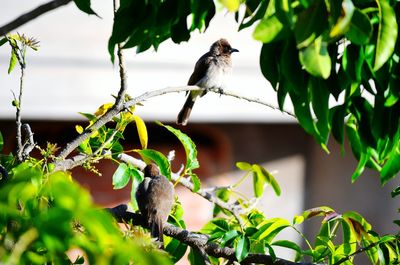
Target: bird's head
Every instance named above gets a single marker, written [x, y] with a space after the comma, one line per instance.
[222, 47]
[151, 170]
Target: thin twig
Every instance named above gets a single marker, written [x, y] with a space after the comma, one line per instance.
[122, 73]
[38, 11]
[21, 62]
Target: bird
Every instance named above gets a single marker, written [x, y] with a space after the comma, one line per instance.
[155, 197]
[210, 72]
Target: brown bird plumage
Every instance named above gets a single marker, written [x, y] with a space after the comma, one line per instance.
[209, 72]
[155, 196]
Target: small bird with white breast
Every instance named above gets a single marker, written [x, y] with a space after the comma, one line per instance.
[209, 72]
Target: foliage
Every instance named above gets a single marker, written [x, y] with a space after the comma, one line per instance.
[45, 215]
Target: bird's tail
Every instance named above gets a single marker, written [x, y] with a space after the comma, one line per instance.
[183, 116]
[157, 231]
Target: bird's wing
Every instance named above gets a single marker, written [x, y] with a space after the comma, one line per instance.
[200, 69]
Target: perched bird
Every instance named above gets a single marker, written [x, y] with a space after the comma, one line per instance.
[155, 196]
[209, 72]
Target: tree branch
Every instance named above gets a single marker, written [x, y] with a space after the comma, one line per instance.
[198, 241]
[147, 95]
[31, 15]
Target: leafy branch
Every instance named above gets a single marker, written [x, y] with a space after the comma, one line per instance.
[200, 241]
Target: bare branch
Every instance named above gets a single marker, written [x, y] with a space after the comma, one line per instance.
[31, 15]
[198, 241]
[18, 104]
[147, 95]
[29, 141]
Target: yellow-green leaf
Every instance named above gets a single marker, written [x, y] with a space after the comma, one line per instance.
[103, 109]
[142, 131]
[387, 33]
[231, 5]
[79, 129]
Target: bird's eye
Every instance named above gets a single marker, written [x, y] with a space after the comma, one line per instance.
[226, 49]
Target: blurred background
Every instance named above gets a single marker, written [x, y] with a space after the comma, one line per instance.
[72, 73]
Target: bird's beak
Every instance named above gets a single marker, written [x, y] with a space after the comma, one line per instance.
[234, 50]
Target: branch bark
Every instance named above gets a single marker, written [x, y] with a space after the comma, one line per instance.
[147, 95]
[31, 15]
[198, 241]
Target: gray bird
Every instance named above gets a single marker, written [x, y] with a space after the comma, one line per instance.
[155, 196]
[209, 72]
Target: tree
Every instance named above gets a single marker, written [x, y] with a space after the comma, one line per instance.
[337, 61]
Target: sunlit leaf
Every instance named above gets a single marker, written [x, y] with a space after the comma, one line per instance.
[387, 33]
[231, 5]
[360, 30]
[307, 214]
[13, 60]
[244, 166]
[196, 182]
[103, 109]
[242, 248]
[315, 59]
[1, 141]
[121, 176]
[268, 29]
[159, 159]
[79, 129]
[343, 22]
[142, 131]
[188, 145]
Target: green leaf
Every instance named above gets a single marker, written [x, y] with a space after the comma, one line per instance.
[259, 13]
[343, 22]
[288, 244]
[137, 178]
[228, 236]
[188, 145]
[392, 165]
[85, 6]
[268, 177]
[364, 157]
[3, 41]
[244, 166]
[13, 60]
[268, 30]
[196, 182]
[176, 249]
[195, 257]
[387, 34]
[121, 176]
[319, 92]
[268, 230]
[352, 61]
[215, 225]
[338, 113]
[159, 159]
[307, 214]
[269, 62]
[258, 184]
[310, 24]
[242, 248]
[315, 59]
[360, 30]
[231, 5]
[284, 12]
[1, 142]
[395, 192]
